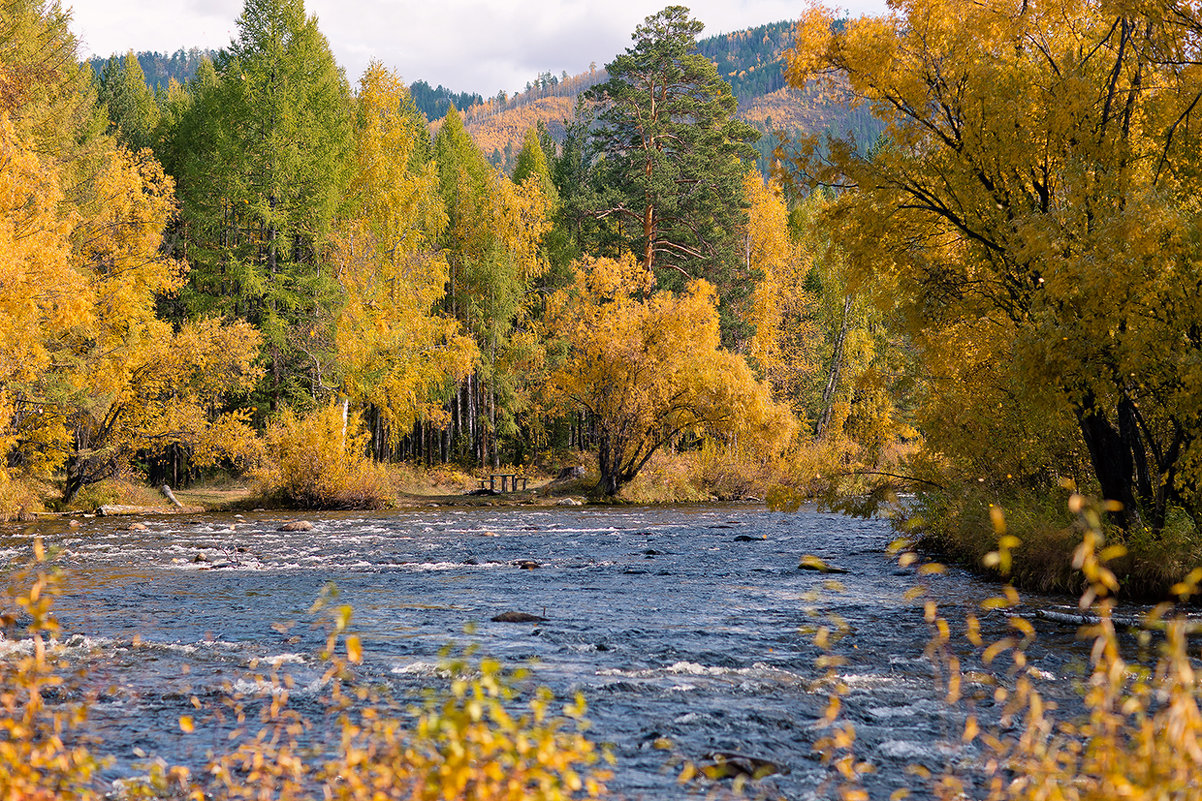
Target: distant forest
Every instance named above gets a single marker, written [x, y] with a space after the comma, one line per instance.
[161, 69]
[434, 103]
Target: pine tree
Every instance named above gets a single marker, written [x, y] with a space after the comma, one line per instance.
[670, 157]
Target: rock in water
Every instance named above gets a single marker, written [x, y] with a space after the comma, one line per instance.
[527, 564]
[569, 502]
[517, 617]
[297, 525]
[727, 765]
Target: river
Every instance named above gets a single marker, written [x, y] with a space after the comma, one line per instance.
[685, 623]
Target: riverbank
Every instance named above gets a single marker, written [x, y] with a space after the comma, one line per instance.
[412, 489]
[964, 527]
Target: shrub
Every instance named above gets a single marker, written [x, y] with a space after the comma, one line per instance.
[319, 462]
[36, 762]
[124, 491]
[16, 497]
[668, 477]
[956, 524]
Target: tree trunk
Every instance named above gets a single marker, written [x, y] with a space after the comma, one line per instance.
[346, 411]
[832, 379]
[1112, 460]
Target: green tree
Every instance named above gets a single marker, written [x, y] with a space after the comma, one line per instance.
[260, 153]
[532, 163]
[131, 106]
[670, 158]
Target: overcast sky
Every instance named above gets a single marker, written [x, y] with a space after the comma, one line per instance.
[467, 45]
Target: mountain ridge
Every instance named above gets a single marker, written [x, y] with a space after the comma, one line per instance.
[751, 60]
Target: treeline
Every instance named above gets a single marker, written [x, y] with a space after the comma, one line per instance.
[263, 269]
[434, 103]
[547, 85]
[161, 69]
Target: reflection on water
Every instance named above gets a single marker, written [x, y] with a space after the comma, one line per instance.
[685, 623]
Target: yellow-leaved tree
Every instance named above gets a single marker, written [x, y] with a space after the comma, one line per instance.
[83, 358]
[492, 243]
[823, 351]
[395, 351]
[1032, 209]
[782, 308]
[648, 368]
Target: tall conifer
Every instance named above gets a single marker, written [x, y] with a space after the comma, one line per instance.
[671, 155]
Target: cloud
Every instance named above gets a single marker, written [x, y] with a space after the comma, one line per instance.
[467, 45]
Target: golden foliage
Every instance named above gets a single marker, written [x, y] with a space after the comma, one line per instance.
[648, 366]
[36, 762]
[88, 374]
[1141, 734]
[469, 741]
[393, 350]
[318, 462]
[1033, 223]
[782, 308]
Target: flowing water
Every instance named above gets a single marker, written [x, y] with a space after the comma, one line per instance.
[692, 624]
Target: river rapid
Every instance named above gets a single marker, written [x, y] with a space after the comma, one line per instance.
[692, 624]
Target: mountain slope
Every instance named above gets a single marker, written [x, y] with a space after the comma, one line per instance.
[750, 60]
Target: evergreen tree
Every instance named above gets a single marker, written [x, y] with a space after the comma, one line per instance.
[131, 106]
[261, 156]
[670, 157]
[532, 163]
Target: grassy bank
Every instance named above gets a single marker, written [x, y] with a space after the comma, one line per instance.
[966, 524]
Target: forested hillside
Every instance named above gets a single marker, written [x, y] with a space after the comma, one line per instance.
[751, 61]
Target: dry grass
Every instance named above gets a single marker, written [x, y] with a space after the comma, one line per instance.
[958, 525]
[124, 491]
